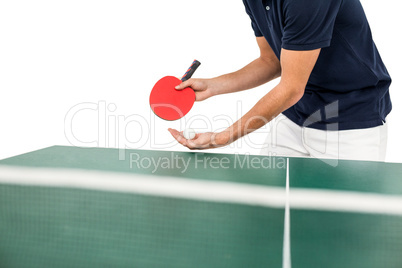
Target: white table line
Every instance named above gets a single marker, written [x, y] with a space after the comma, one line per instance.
[286, 256]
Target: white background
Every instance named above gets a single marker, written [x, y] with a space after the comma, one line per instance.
[107, 55]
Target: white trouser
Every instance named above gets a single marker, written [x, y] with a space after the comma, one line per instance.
[288, 139]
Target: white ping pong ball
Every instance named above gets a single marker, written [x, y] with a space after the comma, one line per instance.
[189, 134]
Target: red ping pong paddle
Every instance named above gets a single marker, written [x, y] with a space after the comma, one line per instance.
[169, 103]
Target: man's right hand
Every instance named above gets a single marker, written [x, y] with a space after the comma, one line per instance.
[202, 87]
[262, 70]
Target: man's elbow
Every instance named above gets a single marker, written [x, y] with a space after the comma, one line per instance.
[298, 93]
[278, 71]
[294, 94]
[273, 64]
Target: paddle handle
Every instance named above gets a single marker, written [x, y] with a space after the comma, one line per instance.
[191, 70]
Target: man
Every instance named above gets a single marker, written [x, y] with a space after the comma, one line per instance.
[333, 95]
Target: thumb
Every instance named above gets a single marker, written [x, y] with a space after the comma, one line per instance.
[184, 84]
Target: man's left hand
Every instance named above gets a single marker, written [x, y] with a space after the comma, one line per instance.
[202, 141]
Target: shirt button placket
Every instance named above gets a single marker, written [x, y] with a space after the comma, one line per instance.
[268, 8]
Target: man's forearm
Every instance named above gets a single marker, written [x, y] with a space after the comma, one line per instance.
[272, 104]
[296, 70]
[257, 73]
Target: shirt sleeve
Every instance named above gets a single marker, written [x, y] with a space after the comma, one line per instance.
[254, 25]
[309, 24]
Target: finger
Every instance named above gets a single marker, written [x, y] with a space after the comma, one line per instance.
[200, 95]
[184, 84]
[178, 137]
[197, 135]
[193, 146]
[197, 143]
[174, 132]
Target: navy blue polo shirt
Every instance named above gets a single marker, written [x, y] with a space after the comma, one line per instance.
[349, 85]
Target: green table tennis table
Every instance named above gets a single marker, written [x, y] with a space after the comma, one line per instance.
[94, 207]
